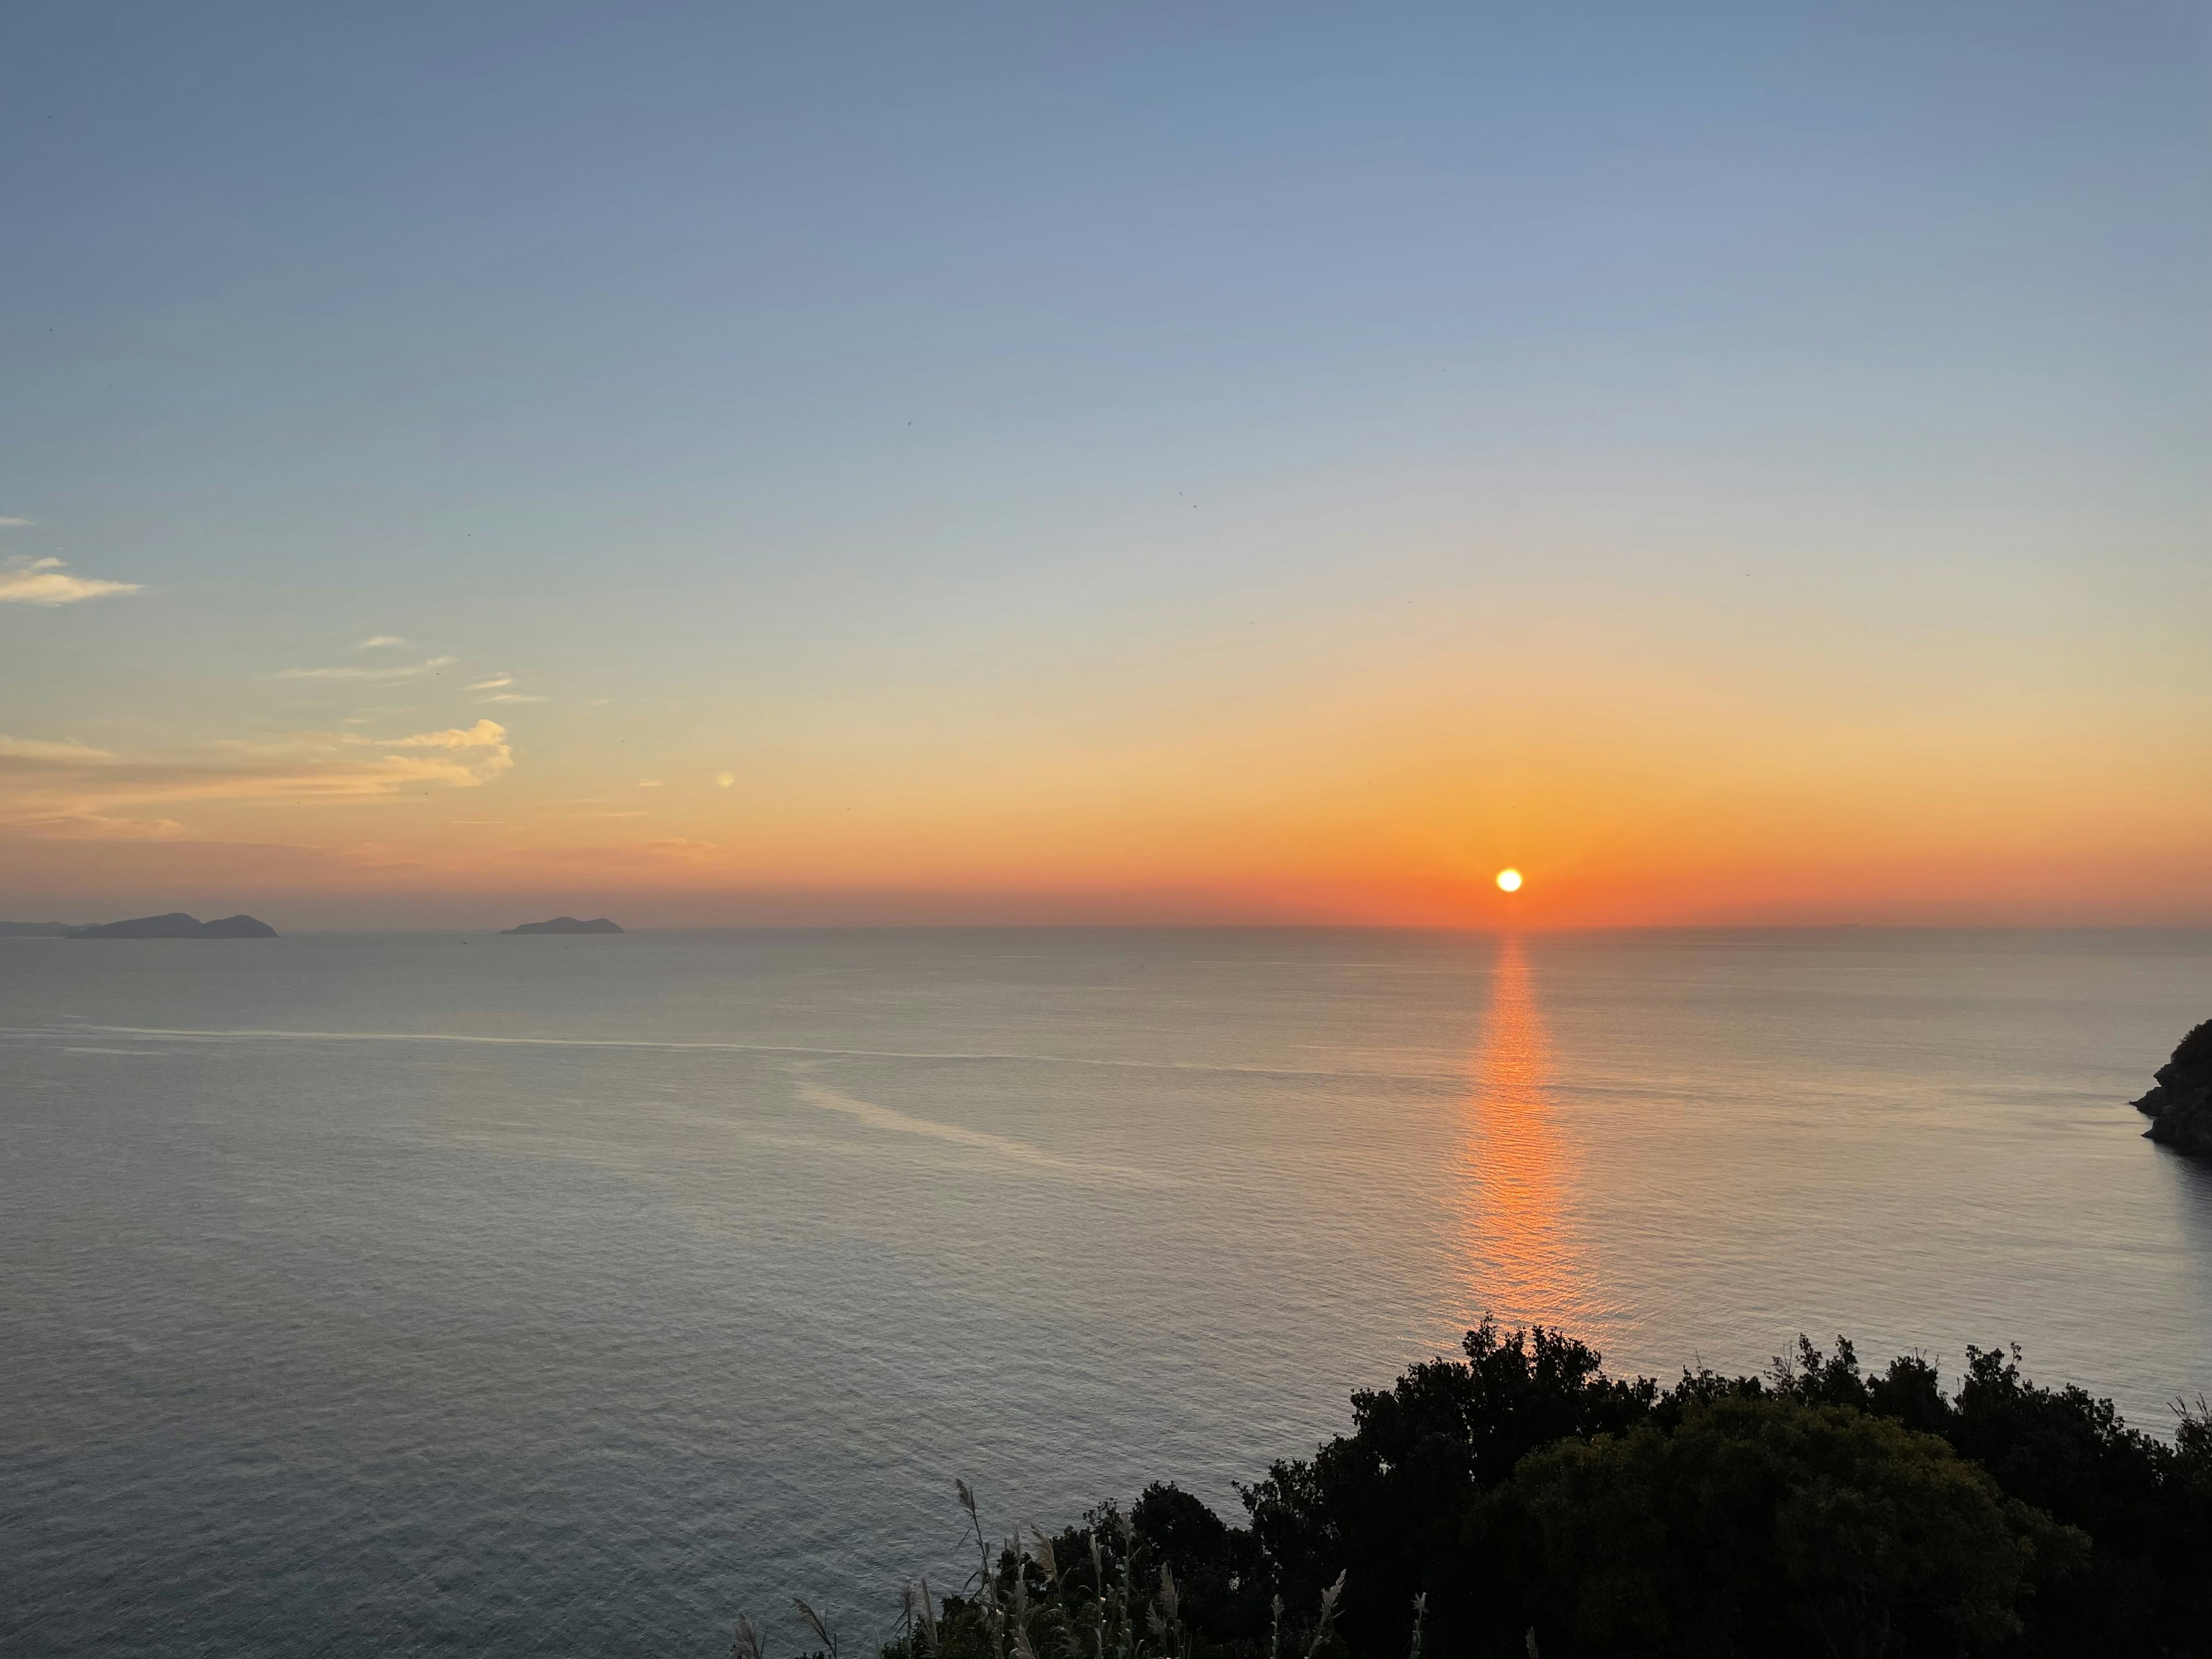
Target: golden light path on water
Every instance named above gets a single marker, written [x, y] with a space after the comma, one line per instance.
[1524, 1258]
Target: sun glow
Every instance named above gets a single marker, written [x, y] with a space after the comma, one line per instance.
[1524, 1257]
[1509, 881]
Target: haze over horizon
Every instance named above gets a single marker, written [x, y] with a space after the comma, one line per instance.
[1736, 464]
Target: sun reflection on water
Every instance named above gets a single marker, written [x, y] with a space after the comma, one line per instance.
[1523, 1260]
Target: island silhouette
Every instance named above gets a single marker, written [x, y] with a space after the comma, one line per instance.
[178, 925]
[565, 925]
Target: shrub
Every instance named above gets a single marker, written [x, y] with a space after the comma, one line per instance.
[1519, 1497]
[1761, 1525]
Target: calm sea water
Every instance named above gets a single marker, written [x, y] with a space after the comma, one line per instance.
[507, 1296]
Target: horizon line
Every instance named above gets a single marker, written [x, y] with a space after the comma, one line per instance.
[1500, 930]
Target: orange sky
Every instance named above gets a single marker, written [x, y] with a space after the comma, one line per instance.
[1358, 771]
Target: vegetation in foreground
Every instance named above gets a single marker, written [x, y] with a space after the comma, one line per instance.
[1519, 1501]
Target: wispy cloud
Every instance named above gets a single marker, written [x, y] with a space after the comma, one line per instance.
[378, 641]
[36, 749]
[73, 790]
[411, 671]
[495, 685]
[679, 847]
[16, 524]
[46, 582]
[487, 735]
[96, 826]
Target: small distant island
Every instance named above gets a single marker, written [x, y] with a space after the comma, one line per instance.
[565, 925]
[176, 925]
[2179, 1105]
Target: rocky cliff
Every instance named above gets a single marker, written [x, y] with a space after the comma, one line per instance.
[2180, 1106]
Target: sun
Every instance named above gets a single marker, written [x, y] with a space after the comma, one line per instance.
[1509, 881]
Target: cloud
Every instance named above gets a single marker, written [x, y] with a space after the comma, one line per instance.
[16, 524]
[69, 789]
[648, 783]
[681, 847]
[33, 749]
[493, 685]
[412, 671]
[377, 641]
[45, 581]
[93, 826]
[484, 734]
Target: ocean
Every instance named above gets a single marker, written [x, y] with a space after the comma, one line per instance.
[463, 1294]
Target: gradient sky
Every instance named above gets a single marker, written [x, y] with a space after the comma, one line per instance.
[1737, 463]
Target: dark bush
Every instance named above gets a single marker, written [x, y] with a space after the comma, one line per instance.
[1813, 1509]
[1759, 1525]
[1384, 1505]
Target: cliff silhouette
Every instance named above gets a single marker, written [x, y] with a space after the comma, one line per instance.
[2179, 1105]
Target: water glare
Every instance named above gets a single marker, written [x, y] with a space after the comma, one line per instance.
[1524, 1260]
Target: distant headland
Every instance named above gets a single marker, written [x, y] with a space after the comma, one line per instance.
[2179, 1105]
[566, 925]
[178, 925]
[37, 929]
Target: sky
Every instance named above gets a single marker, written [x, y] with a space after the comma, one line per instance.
[716, 465]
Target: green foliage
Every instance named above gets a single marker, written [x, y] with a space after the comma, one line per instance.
[1760, 1525]
[1384, 1504]
[1518, 1500]
[1168, 1581]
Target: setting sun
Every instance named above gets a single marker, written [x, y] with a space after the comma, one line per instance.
[1509, 881]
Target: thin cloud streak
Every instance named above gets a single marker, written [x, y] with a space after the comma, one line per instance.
[35, 749]
[73, 791]
[484, 734]
[413, 670]
[48, 582]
